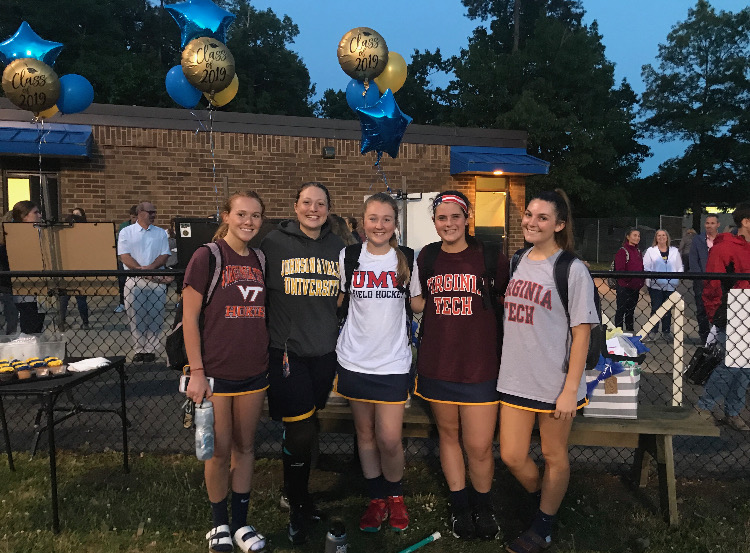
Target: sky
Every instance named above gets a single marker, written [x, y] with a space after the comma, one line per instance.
[631, 29]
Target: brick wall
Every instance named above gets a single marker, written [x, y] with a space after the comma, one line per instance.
[174, 170]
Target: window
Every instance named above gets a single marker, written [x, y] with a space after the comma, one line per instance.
[490, 212]
[29, 186]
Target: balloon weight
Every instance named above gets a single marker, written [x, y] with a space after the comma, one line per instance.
[362, 53]
[394, 74]
[31, 84]
[208, 64]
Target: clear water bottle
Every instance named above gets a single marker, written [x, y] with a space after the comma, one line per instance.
[204, 430]
[336, 538]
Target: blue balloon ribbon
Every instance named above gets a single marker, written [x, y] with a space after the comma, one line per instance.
[383, 126]
[198, 18]
[607, 368]
[27, 44]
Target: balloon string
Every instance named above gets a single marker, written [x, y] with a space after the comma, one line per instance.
[41, 138]
[379, 169]
[213, 155]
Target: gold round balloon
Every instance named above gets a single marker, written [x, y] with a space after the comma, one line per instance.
[31, 84]
[208, 64]
[362, 53]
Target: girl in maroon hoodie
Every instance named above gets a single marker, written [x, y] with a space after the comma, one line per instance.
[628, 258]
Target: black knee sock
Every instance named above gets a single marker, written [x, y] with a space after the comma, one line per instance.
[219, 512]
[240, 504]
[480, 499]
[296, 456]
[535, 498]
[393, 488]
[376, 487]
[460, 501]
[542, 524]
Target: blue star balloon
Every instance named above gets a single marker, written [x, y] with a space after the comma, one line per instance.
[27, 44]
[383, 126]
[198, 18]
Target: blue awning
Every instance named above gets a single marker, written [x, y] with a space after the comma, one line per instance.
[479, 159]
[57, 140]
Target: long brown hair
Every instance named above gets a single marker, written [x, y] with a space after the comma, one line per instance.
[403, 271]
[22, 209]
[559, 199]
[221, 232]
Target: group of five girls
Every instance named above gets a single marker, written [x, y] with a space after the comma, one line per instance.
[300, 355]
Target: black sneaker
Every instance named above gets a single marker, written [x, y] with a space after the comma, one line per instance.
[462, 525]
[297, 529]
[312, 513]
[485, 523]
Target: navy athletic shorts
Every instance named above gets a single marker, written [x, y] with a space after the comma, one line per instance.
[304, 390]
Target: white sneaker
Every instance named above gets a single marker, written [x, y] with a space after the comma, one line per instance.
[120, 308]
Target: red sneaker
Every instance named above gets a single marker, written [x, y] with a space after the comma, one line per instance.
[399, 516]
[376, 513]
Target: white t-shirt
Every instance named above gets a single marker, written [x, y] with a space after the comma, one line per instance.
[374, 339]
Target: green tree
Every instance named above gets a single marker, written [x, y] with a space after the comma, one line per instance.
[559, 86]
[699, 93]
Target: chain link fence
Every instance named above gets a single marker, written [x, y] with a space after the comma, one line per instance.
[92, 323]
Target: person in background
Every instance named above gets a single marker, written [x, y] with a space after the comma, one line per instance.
[685, 244]
[699, 249]
[729, 253]
[662, 258]
[302, 280]
[10, 311]
[32, 322]
[78, 215]
[542, 378]
[231, 347]
[120, 267]
[353, 224]
[628, 258]
[340, 228]
[145, 246]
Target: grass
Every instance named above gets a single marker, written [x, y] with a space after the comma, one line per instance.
[161, 506]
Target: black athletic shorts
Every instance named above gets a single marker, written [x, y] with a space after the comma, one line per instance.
[304, 390]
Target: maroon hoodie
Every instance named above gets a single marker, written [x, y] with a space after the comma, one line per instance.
[632, 261]
[730, 253]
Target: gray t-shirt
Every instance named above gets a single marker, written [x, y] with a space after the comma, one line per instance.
[536, 336]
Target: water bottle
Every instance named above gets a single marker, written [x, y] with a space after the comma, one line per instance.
[336, 538]
[204, 430]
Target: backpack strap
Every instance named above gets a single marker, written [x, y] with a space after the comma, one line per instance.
[351, 262]
[516, 259]
[427, 271]
[409, 255]
[561, 275]
[261, 257]
[215, 267]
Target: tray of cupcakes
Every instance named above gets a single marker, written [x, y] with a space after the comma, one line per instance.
[33, 368]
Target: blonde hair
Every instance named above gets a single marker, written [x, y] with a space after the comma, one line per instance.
[221, 232]
[403, 271]
[669, 238]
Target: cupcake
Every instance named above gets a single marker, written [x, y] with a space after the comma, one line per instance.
[7, 373]
[42, 370]
[56, 370]
[52, 361]
[24, 372]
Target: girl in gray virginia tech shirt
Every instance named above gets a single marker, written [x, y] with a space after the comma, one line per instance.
[543, 360]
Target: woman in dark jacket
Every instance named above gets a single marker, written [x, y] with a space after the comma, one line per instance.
[628, 258]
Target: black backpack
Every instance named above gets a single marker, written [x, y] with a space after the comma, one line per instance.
[490, 298]
[351, 263]
[598, 340]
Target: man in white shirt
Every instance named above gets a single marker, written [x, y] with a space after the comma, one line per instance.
[145, 246]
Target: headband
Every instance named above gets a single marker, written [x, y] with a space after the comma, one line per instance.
[451, 198]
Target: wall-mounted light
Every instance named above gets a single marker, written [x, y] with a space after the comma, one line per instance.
[329, 152]
[498, 172]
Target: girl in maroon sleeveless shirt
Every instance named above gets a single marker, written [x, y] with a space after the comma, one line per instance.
[232, 347]
[458, 363]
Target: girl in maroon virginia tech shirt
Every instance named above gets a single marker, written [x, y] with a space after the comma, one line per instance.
[458, 363]
[232, 348]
